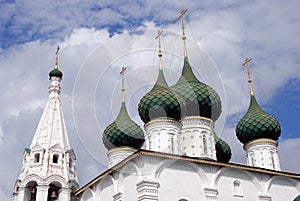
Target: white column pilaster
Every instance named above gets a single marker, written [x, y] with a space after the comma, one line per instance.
[42, 193]
[264, 198]
[148, 190]
[211, 194]
[117, 197]
[64, 194]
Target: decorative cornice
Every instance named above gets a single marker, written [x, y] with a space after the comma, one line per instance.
[168, 120]
[260, 141]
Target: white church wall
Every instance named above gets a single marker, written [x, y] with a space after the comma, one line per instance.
[283, 188]
[178, 181]
[235, 184]
[129, 176]
[88, 195]
[105, 189]
[150, 177]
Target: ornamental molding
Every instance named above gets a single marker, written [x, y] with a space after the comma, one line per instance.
[261, 143]
[197, 122]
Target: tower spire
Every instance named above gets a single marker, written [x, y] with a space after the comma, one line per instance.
[159, 47]
[123, 87]
[246, 63]
[56, 60]
[49, 156]
[181, 16]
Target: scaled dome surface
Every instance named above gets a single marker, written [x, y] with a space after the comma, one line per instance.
[223, 151]
[257, 124]
[56, 73]
[200, 99]
[123, 132]
[160, 102]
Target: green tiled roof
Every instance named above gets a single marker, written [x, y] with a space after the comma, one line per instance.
[257, 124]
[160, 102]
[123, 132]
[200, 99]
[56, 73]
[223, 150]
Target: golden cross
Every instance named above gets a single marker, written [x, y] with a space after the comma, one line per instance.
[123, 87]
[246, 63]
[56, 61]
[182, 26]
[159, 47]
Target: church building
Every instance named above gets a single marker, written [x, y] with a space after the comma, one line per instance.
[184, 159]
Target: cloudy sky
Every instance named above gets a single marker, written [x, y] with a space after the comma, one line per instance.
[98, 37]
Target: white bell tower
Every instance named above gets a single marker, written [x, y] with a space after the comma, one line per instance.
[48, 170]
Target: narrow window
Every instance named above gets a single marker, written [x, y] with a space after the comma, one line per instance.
[55, 158]
[36, 158]
[237, 189]
[272, 159]
[204, 144]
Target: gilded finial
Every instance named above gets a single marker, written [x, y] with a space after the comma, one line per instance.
[123, 86]
[56, 61]
[159, 47]
[181, 16]
[246, 63]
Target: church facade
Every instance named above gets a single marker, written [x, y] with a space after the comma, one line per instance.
[183, 160]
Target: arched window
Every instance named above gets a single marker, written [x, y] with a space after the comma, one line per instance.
[204, 144]
[55, 158]
[36, 158]
[237, 189]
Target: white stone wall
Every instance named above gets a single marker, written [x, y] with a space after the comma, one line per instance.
[197, 138]
[149, 178]
[162, 135]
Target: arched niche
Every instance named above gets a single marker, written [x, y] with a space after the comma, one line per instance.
[87, 195]
[105, 188]
[30, 191]
[282, 188]
[175, 179]
[54, 191]
[232, 183]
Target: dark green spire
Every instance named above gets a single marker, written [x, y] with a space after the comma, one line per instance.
[123, 132]
[200, 99]
[257, 124]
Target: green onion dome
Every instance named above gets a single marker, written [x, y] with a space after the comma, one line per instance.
[123, 132]
[200, 99]
[223, 150]
[56, 73]
[160, 102]
[257, 124]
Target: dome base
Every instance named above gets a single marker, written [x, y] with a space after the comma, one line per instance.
[263, 153]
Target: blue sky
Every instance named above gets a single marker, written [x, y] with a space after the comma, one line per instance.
[228, 31]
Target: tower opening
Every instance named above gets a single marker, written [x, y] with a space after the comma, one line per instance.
[37, 158]
[55, 158]
[30, 191]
